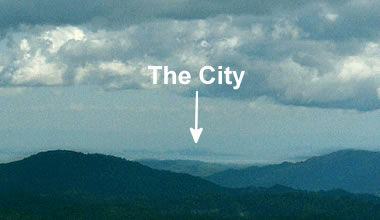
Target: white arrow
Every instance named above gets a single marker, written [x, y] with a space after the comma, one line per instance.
[196, 132]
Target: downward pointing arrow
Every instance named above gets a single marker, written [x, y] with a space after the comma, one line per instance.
[196, 132]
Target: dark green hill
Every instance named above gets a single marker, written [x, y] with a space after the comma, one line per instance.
[352, 170]
[66, 171]
[70, 185]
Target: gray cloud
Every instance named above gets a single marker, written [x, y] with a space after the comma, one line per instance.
[71, 12]
[341, 23]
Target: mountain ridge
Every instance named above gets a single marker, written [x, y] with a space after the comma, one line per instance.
[356, 171]
[72, 185]
[62, 170]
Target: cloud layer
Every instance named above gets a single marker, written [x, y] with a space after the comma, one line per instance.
[319, 54]
[71, 12]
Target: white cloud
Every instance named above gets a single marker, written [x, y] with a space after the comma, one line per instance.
[35, 70]
[331, 17]
[61, 35]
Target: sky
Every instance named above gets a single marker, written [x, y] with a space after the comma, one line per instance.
[74, 75]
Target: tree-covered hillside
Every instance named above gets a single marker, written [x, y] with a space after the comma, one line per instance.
[70, 185]
[352, 170]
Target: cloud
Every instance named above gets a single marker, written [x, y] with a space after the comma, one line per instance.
[68, 55]
[72, 12]
[320, 54]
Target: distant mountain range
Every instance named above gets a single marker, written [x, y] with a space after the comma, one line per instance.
[192, 167]
[352, 170]
[72, 185]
